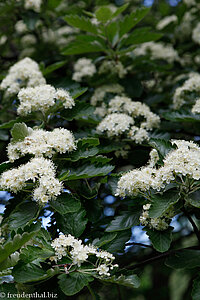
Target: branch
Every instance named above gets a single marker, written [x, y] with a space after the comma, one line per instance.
[138, 244]
[196, 230]
[158, 257]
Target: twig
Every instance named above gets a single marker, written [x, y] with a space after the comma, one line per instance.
[157, 257]
[138, 244]
[196, 230]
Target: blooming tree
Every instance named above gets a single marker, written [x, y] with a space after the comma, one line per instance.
[99, 130]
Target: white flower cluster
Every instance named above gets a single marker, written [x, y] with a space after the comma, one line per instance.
[166, 21]
[190, 85]
[39, 170]
[113, 67]
[115, 124]
[24, 73]
[196, 107]
[196, 34]
[183, 161]
[189, 2]
[41, 98]
[60, 36]
[122, 112]
[42, 143]
[33, 4]
[158, 51]
[21, 27]
[82, 68]
[67, 245]
[161, 223]
[101, 92]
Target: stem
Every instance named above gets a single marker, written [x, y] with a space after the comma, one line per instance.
[196, 230]
[91, 292]
[158, 257]
[138, 244]
[119, 293]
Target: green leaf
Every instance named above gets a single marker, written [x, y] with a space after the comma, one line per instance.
[103, 14]
[65, 203]
[19, 132]
[184, 259]
[90, 141]
[73, 223]
[31, 253]
[82, 23]
[131, 281]
[28, 272]
[194, 199]
[129, 21]
[79, 111]
[162, 202]
[117, 245]
[78, 92]
[162, 146]
[5, 166]
[120, 10]
[53, 67]
[125, 221]
[22, 214]
[141, 35]
[10, 261]
[3, 135]
[83, 150]
[11, 123]
[107, 237]
[73, 283]
[161, 240]
[30, 19]
[80, 47]
[196, 289]
[112, 31]
[86, 171]
[176, 116]
[17, 242]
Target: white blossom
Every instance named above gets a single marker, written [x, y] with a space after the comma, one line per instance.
[190, 85]
[40, 171]
[115, 124]
[157, 51]
[82, 68]
[166, 21]
[183, 161]
[113, 67]
[41, 98]
[33, 4]
[161, 223]
[42, 143]
[67, 245]
[196, 34]
[26, 72]
[196, 107]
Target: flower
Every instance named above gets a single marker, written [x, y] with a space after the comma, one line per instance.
[83, 67]
[42, 143]
[160, 223]
[183, 161]
[157, 51]
[41, 98]
[115, 124]
[40, 171]
[33, 4]
[166, 21]
[67, 245]
[26, 72]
